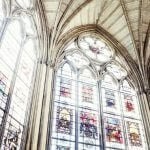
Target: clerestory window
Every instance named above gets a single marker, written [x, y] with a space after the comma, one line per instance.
[95, 106]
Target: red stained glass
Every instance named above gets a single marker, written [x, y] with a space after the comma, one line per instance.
[134, 134]
[96, 48]
[64, 120]
[65, 87]
[129, 103]
[87, 94]
[113, 130]
[88, 125]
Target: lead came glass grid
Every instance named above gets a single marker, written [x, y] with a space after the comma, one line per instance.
[86, 117]
[64, 110]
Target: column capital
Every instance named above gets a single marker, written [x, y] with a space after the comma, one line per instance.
[41, 61]
[47, 63]
[50, 64]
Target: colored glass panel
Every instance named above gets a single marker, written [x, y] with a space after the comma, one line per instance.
[129, 105]
[87, 94]
[109, 82]
[110, 98]
[77, 94]
[64, 120]
[95, 48]
[134, 134]
[116, 70]
[113, 130]
[88, 125]
[65, 87]
[78, 60]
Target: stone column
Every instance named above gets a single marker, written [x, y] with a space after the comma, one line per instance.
[46, 108]
[36, 108]
[148, 96]
[145, 112]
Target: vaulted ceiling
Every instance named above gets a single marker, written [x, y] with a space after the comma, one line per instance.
[126, 20]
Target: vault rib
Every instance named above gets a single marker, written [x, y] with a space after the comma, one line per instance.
[129, 25]
[74, 13]
[110, 14]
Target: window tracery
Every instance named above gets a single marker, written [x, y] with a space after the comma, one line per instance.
[105, 111]
[25, 3]
[95, 48]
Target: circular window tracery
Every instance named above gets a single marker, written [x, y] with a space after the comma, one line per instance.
[95, 48]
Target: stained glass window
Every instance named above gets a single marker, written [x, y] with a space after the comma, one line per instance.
[65, 87]
[116, 70]
[64, 120]
[87, 94]
[62, 145]
[94, 106]
[113, 130]
[88, 125]
[129, 103]
[78, 59]
[17, 64]
[134, 134]
[110, 98]
[95, 48]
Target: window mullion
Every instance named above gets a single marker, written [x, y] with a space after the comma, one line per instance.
[3, 28]
[76, 112]
[123, 120]
[51, 114]
[101, 137]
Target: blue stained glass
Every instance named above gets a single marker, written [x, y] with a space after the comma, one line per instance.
[113, 121]
[113, 130]
[110, 98]
[88, 125]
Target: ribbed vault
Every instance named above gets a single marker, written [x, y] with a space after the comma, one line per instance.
[126, 21]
